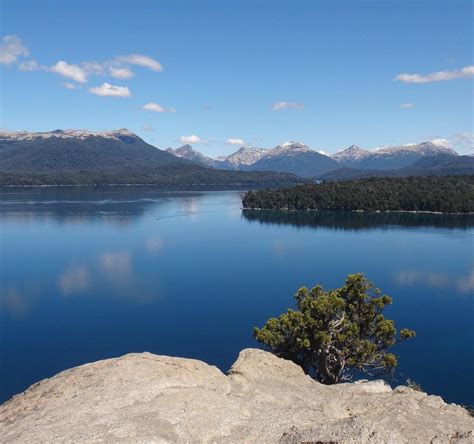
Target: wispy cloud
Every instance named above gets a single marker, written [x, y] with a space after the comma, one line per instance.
[464, 141]
[465, 138]
[407, 105]
[31, 65]
[140, 60]
[11, 49]
[69, 85]
[438, 76]
[232, 141]
[108, 90]
[191, 139]
[279, 106]
[148, 128]
[121, 73]
[73, 72]
[155, 107]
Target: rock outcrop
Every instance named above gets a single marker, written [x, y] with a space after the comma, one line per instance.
[149, 398]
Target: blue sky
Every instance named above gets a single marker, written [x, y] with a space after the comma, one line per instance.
[260, 72]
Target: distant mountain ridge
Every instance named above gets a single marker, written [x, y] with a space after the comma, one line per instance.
[391, 157]
[438, 165]
[77, 157]
[122, 154]
[290, 157]
[187, 152]
[242, 157]
[15, 136]
[299, 159]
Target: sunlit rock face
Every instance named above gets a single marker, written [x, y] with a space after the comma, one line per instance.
[149, 398]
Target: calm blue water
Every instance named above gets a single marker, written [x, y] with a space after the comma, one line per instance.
[87, 275]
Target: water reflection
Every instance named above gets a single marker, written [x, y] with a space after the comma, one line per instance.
[358, 221]
[75, 279]
[91, 274]
[463, 284]
[118, 206]
[14, 303]
[154, 244]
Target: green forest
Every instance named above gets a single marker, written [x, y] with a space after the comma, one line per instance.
[451, 194]
[175, 176]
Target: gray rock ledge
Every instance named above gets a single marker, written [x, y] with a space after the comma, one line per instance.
[147, 398]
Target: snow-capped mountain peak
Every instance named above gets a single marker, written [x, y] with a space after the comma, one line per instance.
[441, 142]
[353, 152]
[64, 134]
[189, 153]
[432, 147]
[244, 156]
[184, 151]
[290, 148]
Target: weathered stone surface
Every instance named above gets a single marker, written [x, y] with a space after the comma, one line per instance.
[149, 398]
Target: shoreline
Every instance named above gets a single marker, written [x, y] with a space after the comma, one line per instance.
[191, 187]
[356, 211]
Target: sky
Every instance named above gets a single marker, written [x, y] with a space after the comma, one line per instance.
[222, 74]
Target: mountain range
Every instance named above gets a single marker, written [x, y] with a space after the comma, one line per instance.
[115, 157]
[290, 157]
[436, 165]
[120, 156]
[352, 162]
[394, 157]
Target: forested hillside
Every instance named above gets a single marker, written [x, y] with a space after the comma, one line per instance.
[452, 194]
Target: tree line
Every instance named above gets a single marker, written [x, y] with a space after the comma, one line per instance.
[449, 194]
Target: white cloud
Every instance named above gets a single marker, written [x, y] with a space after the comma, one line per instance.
[108, 90]
[464, 142]
[121, 73]
[12, 48]
[140, 60]
[407, 105]
[94, 68]
[278, 106]
[31, 65]
[147, 127]
[464, 138]
[438, 76]
[73, 72]
[322, 152]
[68, 85]
[235, 142]
[151, 106]
[191, 139]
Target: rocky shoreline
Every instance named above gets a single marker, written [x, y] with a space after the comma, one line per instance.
[148, 398]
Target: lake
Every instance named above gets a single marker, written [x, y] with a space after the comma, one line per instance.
[92, 274]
